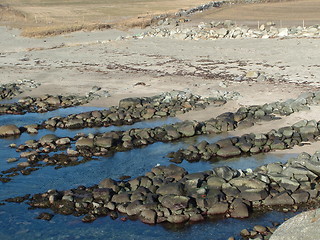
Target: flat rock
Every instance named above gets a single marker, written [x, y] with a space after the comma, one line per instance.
[9, 130]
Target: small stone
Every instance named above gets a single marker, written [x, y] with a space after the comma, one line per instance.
[11, 160]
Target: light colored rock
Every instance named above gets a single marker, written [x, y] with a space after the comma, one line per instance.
[9, 130]
[303, 226]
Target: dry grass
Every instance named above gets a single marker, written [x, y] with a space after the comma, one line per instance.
[44, 31]
[289, 12]
[40, 18]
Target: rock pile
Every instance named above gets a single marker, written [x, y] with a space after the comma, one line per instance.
[10, 90]
[283, 138]
[131, 110]
[171, 194]
[42, 104]
[228, 29]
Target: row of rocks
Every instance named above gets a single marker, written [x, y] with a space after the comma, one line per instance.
[216, 30]
[44, 103]
[283, 138]
[131, 110]
[171, 194]
[107, 143]
[11, 90]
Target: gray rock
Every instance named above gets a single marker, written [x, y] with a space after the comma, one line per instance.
[178, 218]
[148, 216]
[279, 199]
[238, 209]
[85, 143]
[230, 151]
[303, 226]
[171, 188]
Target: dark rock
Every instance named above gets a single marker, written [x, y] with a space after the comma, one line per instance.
[174, 202]
[45, 216]
[238, 209]
[148, 216]
[178, 218]
[171, 188]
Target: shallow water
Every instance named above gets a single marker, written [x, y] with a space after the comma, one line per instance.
[16, 222]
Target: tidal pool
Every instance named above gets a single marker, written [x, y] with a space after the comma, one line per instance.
[17, 222]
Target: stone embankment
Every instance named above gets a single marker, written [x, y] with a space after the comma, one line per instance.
[229, 30]
[171, 194]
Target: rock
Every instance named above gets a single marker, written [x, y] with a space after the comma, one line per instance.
[85, 143]
[174, 202]
[148, 216]
[230, 151]
[53, 100]
[11, 160]
[224, 172]
[129, 102]
[171, 188]
[282, 198]
[218, 208]
[49, 138]
[246, 182]
[104, 142]
[63, 141]
[9, 130]
[74, 123]
[238, 209]
[254, 194]
[252, 74]
[283, 32]
[45, 216]
[303, 226]
[187, 129]
[109, 183]
[178, 218]
[103, 194]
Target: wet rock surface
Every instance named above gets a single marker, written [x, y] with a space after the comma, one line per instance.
[171, 194]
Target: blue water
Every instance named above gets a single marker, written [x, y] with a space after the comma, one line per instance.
[17, 222]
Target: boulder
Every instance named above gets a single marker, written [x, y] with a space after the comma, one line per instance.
[174, 202]
[303, 226]
[148, 216]
[238, 209]
[230, 151]
[171, 188]
[9, 130]
[85, 143]
[178, 218]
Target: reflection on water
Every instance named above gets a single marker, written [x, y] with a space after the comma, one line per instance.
[18, 223]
